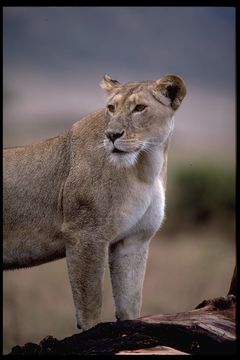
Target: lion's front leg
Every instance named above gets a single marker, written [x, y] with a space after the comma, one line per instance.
[85, 254]
[127, 260]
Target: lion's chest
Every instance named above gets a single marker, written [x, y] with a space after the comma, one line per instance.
[143, 211]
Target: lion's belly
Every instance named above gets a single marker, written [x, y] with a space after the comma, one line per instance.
[145, 214]
[29, 248]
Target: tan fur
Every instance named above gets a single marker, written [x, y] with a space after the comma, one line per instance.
[78, 195]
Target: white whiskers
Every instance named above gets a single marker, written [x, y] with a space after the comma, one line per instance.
[132, 147]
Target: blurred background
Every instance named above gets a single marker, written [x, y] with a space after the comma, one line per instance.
[53, 61]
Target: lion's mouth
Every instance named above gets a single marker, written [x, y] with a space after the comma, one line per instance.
[117, 151]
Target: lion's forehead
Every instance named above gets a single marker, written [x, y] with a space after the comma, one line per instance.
[129, 98]
[118, 98]
[137, 97]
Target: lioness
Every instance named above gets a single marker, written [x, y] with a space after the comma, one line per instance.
[98, 189]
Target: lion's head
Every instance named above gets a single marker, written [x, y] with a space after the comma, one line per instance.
[139, 116]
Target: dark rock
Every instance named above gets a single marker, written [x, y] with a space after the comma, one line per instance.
[208, 329]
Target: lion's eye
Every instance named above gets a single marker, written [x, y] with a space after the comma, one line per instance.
[139, 108]
[111, 108]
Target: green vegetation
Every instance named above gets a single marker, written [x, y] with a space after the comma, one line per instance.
[200, 194]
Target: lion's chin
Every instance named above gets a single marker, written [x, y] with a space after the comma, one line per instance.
[123, 159]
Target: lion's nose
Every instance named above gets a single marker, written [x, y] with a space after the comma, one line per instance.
[113, 135]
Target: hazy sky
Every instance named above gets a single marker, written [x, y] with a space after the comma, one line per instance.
[54, 58]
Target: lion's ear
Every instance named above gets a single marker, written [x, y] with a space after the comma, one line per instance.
[173, 88]
[109, 84]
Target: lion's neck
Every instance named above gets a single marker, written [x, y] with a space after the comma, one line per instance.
[152, 164]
